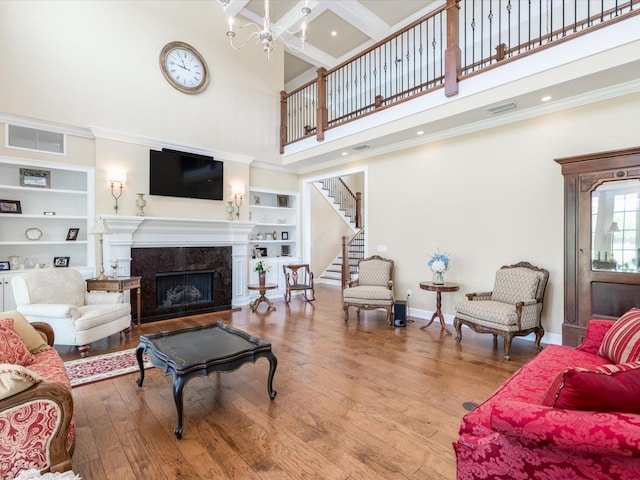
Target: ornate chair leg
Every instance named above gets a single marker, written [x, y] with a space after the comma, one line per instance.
[84, 350]
[457, 324]
[507, 346]
[346, 312]
[539, 335]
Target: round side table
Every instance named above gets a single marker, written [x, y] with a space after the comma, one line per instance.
[262, 298]
[432, 287]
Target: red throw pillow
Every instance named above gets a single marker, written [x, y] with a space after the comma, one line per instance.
[607, 388]
[621, 344]
[12, 347]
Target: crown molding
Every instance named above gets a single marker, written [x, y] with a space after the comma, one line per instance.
[118, 136]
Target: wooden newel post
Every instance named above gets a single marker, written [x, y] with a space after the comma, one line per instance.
[452, 62]
[283, 120]
[321, 112]
[358, 209]
[346, 273]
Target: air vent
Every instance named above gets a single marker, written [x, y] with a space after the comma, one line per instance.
[502, 108]
[361, 147]
[33, 139]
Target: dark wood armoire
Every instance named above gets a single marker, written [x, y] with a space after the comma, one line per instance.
[597, 285]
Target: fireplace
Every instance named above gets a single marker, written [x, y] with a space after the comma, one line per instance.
[180, 281]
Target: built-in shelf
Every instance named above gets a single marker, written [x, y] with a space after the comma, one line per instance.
[67, 199]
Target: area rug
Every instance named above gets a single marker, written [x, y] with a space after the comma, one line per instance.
[101, 367]
[35, 474]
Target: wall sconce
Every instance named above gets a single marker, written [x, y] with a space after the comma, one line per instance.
[238, 196]
[116, 191]
[116, 183]
[100, 228]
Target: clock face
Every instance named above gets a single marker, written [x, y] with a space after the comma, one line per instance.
[183, 67]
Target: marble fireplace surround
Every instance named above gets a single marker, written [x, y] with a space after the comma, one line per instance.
[129, 232]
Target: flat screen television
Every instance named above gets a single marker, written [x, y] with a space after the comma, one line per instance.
[188, 175]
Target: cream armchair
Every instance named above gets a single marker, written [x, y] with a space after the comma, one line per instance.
[372, 289]
[512, 308]
[59, 297]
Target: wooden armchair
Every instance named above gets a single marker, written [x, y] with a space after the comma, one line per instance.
[372, 289]
[298, 277]
[513, 308]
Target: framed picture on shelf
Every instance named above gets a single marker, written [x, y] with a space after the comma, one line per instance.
[60, 261]
[283, 200]
[5, 266]
[285, 251]
[10, 206]
[284, 235]
[72, 234]
[35, 178]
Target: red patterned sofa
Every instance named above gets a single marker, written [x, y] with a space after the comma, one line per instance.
[37, 429]
[552, 421]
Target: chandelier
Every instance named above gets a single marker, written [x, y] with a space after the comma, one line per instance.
[265, 34]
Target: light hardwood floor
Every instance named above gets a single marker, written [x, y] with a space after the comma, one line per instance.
[356, 400]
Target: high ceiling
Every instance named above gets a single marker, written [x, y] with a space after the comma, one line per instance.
[357, 25]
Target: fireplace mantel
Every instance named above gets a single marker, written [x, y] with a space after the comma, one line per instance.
[129, 232]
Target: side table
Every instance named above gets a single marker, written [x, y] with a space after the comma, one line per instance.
[117, 284]
[432, 287]
[262, 298]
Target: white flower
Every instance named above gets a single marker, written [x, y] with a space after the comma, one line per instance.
[438, 266]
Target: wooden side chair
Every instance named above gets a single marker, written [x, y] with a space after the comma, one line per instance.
[372, 289]
[298, 277]
[512, 308]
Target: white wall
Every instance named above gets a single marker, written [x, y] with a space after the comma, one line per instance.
[489, 199]
[96, 65]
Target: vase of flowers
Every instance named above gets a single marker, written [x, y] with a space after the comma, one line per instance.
[438, 263]
[262, 267]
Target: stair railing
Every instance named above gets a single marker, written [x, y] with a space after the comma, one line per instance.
[350, 203]
[451, 43]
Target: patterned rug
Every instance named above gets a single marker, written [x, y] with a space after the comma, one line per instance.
[101, 367]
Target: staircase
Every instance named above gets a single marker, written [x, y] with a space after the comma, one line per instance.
[346, 205]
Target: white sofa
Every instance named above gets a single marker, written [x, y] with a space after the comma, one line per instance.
[59, 297]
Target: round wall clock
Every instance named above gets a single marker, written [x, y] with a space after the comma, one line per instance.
[183, 67]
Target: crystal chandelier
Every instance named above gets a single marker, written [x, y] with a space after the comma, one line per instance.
[266, 34]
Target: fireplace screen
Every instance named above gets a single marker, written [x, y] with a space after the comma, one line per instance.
[184, 288]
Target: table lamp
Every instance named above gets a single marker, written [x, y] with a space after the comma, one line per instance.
[100, 228]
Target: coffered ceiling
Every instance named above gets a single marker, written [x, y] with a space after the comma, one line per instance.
[337, 29]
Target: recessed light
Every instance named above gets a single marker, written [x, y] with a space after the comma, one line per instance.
[334, 33]
[420, 132]
[546, 98]
[345, 153]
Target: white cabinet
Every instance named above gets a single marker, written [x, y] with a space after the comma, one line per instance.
[7, 303]
[275, 213]
[40, 204]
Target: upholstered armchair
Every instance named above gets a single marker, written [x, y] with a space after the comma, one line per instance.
[512, 308]
[299, 278]
[372, 289]
[59, 297]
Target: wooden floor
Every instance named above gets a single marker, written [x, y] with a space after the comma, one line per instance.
[356, 400]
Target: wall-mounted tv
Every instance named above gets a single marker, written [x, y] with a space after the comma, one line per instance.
[188, 175]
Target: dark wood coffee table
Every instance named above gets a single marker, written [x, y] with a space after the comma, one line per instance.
[200, 350]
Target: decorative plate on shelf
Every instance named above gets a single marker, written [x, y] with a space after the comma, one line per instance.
[33, 233]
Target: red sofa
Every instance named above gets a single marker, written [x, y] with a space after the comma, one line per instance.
[513, 435]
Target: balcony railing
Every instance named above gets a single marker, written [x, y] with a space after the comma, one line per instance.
[454, 41]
